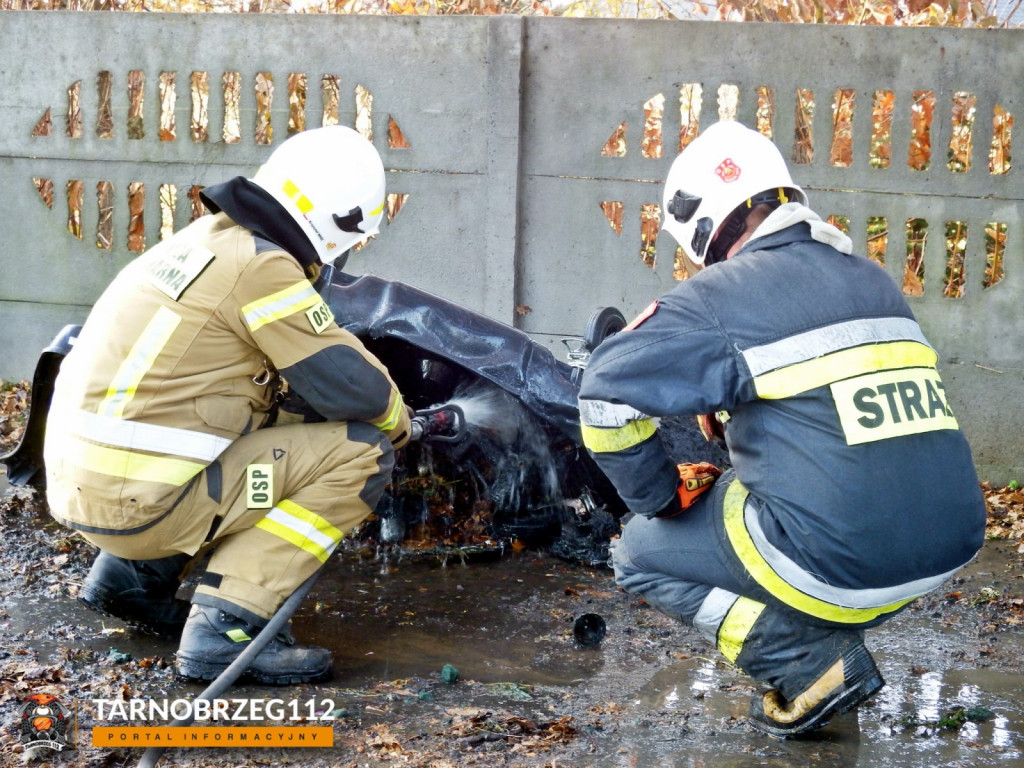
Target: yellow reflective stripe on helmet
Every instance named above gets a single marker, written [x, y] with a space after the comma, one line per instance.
[379, 208]
[600, 440]
[306, 530]
[128, 465]
[141, 356]
[291, 189]
[763, 573]
[737, 625]
[844, 364]
[391, 420]
[294, 298]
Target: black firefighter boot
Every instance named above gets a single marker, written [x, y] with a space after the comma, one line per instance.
[139, 592]
[212, 639]
[815, 673]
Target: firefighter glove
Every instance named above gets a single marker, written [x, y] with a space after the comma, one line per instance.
[694, 480]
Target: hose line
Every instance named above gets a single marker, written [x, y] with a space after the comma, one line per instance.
[240, 664]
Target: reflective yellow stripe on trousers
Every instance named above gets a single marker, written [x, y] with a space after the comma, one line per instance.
[738, 622]
[765, 575]
[306, 530]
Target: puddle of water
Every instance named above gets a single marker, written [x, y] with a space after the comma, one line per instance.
[48, 626]
[872, 737]
[511, 621]
[484, 619]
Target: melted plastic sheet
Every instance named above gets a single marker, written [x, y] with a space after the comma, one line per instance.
[373, 308]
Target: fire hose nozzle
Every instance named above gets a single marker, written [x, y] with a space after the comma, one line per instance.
[443, 424]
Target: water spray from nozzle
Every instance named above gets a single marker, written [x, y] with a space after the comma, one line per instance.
[443, 424]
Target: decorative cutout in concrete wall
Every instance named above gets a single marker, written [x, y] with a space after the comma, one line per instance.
[231, 85]
[765, 114]
[136, 221]
[105, 119]
[616, 144]
[922, 111]
[880, 149]
[394, 204]
[960, 138]
[650, 223]
[296, 103]
[690, 102]
[74, 114]
[74, 189]
[264, 101]
[364, 112]
[956, 252]
[841, 155]
[396, 138]
[913, 270]
[654, 110]
[136, 102]
[613, 212]
[878, 239]
[199, 123]
[199, 131]
[168, 100]
[999, 149]
[995, 248]
[803, 141]
[105, 223]
[44, 126]
[168, 201]
[728, 101]
[45, 189]
[330, 95]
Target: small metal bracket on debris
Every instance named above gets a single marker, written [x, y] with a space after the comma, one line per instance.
[577, 355]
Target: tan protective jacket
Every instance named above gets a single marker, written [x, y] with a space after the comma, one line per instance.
[179, 358]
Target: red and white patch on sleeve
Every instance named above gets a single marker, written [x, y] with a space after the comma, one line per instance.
[639, 319]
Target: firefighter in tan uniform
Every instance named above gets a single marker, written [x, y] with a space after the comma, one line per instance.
[154, 449]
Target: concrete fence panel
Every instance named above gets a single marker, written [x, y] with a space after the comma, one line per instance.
[525, 159]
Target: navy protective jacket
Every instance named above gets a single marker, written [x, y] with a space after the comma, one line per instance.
[838, 423]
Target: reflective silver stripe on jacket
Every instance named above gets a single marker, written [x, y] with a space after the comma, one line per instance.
[138, 436]
[831, 338]
[598, 413]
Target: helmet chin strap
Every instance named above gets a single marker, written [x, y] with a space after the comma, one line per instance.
[735, 223]
[730, 231]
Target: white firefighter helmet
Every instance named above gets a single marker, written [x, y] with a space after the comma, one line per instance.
[331, 181]
[725, 167]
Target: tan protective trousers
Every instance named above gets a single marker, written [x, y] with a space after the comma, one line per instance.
[272, 508]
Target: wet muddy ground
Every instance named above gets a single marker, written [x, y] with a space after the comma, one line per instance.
[473, 663]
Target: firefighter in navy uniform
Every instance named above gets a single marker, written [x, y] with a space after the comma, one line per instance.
[852, 490]
[154, 449]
